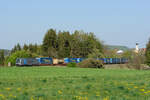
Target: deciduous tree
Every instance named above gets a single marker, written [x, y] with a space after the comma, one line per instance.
[147, 54]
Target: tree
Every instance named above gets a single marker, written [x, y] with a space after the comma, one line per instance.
[75, 44]
[147, 53]
[18, 47]
[14, 49]
[35, 47]
[96, 54]
[83, 44]
[39, 50]
[49, 45]
[25, 47]
[128, 54]
[63, 44]
[31, 48]
[2, 57]
[94, 43]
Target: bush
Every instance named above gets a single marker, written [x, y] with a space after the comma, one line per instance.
[91, 63]
[2, 58]
[96, 54]
[136, 61]
[72, 64]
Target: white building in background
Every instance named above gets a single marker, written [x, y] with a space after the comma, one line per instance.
[136, 48]
[120, 52]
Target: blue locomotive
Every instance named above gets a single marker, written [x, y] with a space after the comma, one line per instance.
[26, 62]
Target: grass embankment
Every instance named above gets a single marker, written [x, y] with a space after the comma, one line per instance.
[44, 83]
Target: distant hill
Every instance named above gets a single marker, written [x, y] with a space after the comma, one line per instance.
[112, 47]
[6, 52]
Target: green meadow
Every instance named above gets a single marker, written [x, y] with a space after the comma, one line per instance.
[49, 83]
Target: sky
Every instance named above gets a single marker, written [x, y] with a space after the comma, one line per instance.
[116, 22]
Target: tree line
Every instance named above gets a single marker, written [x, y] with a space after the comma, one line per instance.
[63, 44]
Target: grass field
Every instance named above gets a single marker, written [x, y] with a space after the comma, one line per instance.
[47, 83]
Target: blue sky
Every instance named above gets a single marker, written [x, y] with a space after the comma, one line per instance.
[116, 22]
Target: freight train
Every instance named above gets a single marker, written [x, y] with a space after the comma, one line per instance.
[46, 61]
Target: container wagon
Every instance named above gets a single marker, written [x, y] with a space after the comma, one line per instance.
[59, 62]
[45, 61]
